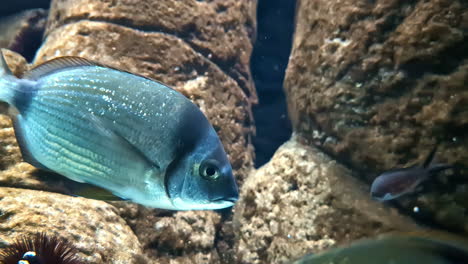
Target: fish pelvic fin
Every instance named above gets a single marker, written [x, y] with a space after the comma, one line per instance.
[436, 168]
[92, 192]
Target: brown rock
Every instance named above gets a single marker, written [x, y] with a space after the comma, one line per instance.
[302, 201]
[377, 83]
[221, 31]
[94, 227]
[9, 150]
[16, 63]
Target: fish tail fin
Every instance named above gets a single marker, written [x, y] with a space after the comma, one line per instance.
[8, 82]
[436, 168]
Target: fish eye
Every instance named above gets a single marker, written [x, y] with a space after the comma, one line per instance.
[209, 170]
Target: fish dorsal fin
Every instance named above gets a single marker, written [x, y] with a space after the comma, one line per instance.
[66, 62]
[57, 64]
[430, 157]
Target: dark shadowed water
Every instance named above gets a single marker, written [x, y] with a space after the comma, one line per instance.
[268, 62]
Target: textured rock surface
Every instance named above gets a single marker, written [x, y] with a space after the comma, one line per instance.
[173, 237]
[94, 227]
[377, 83]
[302, 201]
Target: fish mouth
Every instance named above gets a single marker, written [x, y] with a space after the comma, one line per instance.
[215, 204]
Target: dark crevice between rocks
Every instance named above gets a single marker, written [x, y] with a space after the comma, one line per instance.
[275, 20]
[27, 43]
[448, 61]
[225, 238]
[186, 34]
[28, 28]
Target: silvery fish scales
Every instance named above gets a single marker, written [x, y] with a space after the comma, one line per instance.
[133, 136]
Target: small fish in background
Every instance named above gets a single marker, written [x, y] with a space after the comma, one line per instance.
[397, 182]
[124, 134]
[39, 249]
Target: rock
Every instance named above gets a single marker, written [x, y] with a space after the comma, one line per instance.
[16, 63]
[377, 83]
[221, 31]
[22, 32]
[173, 237]
[94, 227]
[302, 201]
[168, 59]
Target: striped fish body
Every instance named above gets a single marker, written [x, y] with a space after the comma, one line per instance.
[119, 131]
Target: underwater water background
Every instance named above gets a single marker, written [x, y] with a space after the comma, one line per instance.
[313, 100]
[268, 63]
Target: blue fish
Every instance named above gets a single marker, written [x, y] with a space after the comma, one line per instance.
[397, 182]
[130, 135]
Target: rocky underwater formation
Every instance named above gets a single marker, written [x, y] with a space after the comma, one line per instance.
[370, 85]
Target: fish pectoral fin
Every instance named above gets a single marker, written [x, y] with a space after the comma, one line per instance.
[119, 142]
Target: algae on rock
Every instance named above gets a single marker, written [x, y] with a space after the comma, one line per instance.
[376, 84]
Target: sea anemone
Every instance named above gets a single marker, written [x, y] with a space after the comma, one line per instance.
[39, 249]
